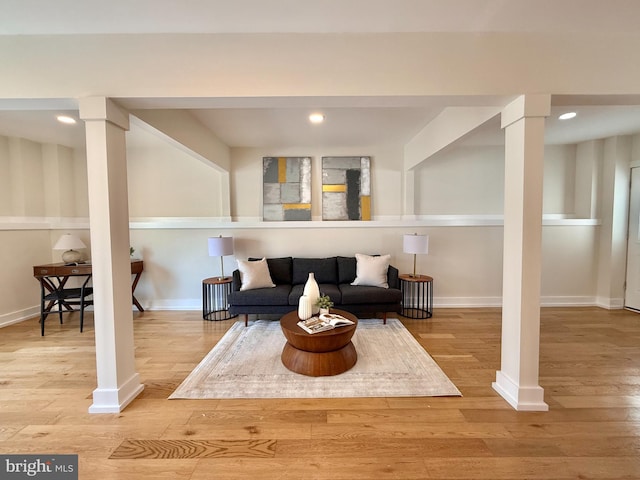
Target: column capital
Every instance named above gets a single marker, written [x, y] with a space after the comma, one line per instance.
[105, 109]
[526, 106]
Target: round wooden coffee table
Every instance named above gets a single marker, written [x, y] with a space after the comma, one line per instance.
[322, 354]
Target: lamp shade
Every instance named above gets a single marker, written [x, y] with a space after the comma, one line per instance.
[220, 246]
[416, 244]
[69, 242]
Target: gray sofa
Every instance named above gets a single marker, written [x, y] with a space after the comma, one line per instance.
[334, 276]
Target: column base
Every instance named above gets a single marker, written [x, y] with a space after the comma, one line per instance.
[111, 400]
[528, 399]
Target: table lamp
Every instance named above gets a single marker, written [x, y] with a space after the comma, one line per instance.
[415, 244]
[219, 247]
[69, 243]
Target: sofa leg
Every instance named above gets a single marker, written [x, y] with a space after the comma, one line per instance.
[246, 319]
[384, 318]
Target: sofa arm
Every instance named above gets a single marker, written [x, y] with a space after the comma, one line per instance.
[236, 281]
[392, 277]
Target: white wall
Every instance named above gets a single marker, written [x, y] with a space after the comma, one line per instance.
[559, 179]
[461, 181]
[5, 178]
[465, 259]
[27, 177]
[469, 180]
[165, 182]
[58, 166]
[81, 186]
[21, 249]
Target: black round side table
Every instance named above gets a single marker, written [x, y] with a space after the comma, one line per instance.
[417, 295]
[215, 295]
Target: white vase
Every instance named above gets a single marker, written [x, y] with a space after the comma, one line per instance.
[312, 291]
[304, 308]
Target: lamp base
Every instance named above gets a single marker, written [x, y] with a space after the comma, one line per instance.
[71, 256]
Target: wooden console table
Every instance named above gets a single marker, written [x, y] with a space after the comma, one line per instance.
[62, 272]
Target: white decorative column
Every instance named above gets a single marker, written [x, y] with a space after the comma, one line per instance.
[118, 383]
[517, 380]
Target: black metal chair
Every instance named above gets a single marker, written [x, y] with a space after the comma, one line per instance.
[64, 298]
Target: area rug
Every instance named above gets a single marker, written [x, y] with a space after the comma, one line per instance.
[246, 363]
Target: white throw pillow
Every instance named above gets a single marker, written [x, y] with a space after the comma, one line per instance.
[254, 274]
[372, 271]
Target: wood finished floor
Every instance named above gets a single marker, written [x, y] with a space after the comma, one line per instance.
[590, 370]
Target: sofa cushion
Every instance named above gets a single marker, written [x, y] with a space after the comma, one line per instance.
[346, 269]
[325, 289]
[372, 271]
[325, 270]
[280, 269]
[353, 295]
[278, 295]
[254, 274]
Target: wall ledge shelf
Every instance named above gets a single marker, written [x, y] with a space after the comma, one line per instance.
[184, 223]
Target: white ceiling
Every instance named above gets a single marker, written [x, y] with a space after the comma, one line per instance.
[350, 121]
[344, 127]
[34, 17]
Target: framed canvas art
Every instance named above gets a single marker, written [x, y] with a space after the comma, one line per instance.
[346, 188]
[286, 194]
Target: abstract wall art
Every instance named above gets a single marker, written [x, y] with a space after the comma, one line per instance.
[286, 193]
[346, 188]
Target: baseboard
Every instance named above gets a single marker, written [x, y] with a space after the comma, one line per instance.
[610, 303]
[114, 400]
[195, 304]
[574, 301]
[438, 302]
[172, 304]
[522, 398]
[18, 316]
[480, 302]
[467, 302]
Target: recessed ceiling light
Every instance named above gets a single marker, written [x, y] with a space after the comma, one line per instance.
[567, 116]
[66, 119]
[316, 118]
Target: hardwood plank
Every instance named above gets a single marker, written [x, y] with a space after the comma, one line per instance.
[249, 431]
[598, 401]
[231, 417]
[386, 431]
[390, 448]
[552, 416]
[354, 468]
[165, 469]
[529, 447]
[370, 417]
[574, 431]
[157, 449]
[556, 468]
[603, 446]
[467, 401]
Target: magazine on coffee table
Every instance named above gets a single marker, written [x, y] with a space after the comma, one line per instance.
[324, 322]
